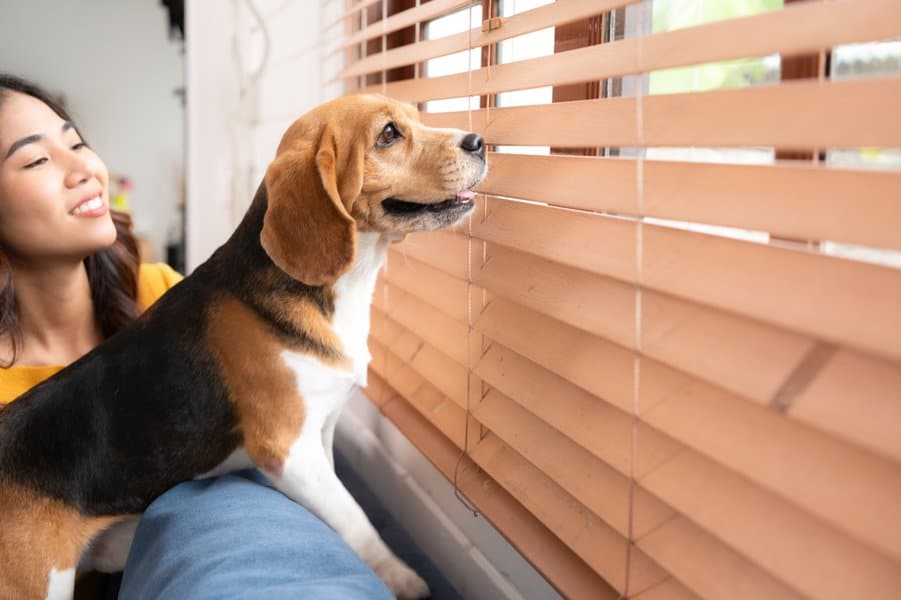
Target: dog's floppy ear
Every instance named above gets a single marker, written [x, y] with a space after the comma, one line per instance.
[307, 229]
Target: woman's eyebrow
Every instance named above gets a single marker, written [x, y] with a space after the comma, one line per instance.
[30, 139]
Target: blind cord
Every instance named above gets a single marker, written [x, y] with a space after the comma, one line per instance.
[384, 48]
[465, 451]
[639, 260]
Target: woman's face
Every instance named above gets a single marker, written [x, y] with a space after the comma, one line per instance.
[54, 200]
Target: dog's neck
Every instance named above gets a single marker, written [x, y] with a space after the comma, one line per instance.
[346, 303]
[353, 298]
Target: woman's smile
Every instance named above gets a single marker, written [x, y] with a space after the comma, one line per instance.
[90, 207]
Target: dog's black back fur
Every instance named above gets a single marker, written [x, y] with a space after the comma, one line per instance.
[148, 408]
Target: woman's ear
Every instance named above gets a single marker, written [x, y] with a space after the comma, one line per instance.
[307, 229]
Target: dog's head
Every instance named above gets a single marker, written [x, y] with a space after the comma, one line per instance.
[362, 163]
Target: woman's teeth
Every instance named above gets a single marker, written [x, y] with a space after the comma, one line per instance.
[90, 205]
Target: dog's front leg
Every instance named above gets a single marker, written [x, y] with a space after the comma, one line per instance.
[328, 435]
[308, 478]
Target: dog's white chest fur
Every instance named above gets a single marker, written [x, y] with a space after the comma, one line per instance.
[353, 297]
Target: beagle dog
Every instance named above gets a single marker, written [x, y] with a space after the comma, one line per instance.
[248, 361]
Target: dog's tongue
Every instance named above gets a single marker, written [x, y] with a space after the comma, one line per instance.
[466, 195]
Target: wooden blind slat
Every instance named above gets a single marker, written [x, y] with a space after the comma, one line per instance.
[438, 368]
[853, 490]
[756, 360]
[558, 511]
[570, 181]
[570, 295]
[428, 283]
[770, 116]
[600, 367]
[602, 245]
[405, 18]
[356, 8]
[596, 425]
[566, 463]
[707, 119]
[556, 13]
[795, 289]
[722, 574]
[429, 323]
[575, 470]
[377, 389]
[738, 354]
[443, 250]
[855, 397]
[592, 539]
[823, 203]
[799, 202]
[402, 341]
[609, 122]
[447, 417]
[395, 373]
[670, 589]
[785, 540]
[588, 421]
[799, 28]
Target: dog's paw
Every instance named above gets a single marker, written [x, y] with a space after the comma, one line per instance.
[109, 551]
[401, 579]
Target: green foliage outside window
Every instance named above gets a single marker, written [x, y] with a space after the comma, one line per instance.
[677, 14]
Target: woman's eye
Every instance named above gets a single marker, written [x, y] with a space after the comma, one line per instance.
[389, 135]
[35, 163]
[79, 146]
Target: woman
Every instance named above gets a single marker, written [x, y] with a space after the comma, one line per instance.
[69, 278]
[69, 268]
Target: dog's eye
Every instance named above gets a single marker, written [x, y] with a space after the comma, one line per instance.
[389, 135]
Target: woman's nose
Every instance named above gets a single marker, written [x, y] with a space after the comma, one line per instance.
[78, 169]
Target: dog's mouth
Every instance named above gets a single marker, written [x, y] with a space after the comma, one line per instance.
[463, 201]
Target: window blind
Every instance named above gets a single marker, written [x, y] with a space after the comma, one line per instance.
[670, 366]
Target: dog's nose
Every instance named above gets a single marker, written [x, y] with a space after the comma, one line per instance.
[474, 144]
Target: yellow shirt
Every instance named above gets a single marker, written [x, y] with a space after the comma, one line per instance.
[153, 281]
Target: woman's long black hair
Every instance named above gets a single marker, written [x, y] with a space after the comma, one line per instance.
[112, 272]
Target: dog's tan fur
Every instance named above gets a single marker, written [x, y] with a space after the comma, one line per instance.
[49, 535]
[262, 389]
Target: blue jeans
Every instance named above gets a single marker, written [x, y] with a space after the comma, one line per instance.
[236, 537]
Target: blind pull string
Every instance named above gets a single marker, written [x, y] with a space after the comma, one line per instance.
[465, 451]
[417, 37]
[387, 265]
[384, 47]
[492, 56]
[386, 268]
[639, 250]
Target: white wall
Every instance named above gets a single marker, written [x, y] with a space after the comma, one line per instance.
[234, 125]
[114, 63]
[212, 89]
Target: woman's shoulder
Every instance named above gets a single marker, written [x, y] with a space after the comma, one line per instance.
[15, 381]
[154, 279]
